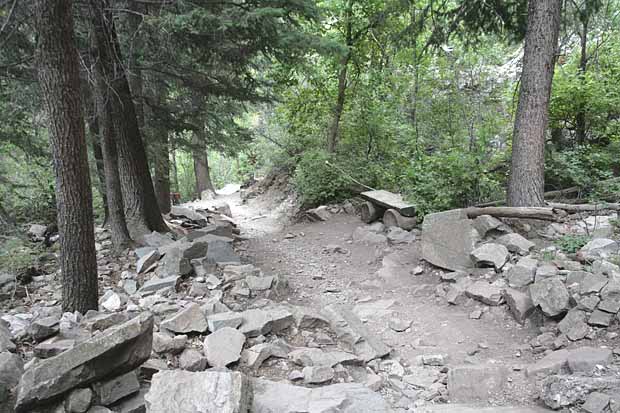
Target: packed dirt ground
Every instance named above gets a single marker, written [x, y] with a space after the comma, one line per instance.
[255, 306]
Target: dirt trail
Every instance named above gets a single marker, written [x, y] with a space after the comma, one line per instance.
[319, 276]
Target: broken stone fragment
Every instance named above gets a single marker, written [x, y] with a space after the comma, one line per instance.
[551, 296]
[475, 383]
[191, 319]
[573, 325]
[270, 396]
[516, 243]
[448, 238]
[227, 319]
[117, 350]
[224, 347]
[490, 255]
[484, 292]
[317, 374]
[519, 303]
[350, 329]
[116, 388]
[195, 391]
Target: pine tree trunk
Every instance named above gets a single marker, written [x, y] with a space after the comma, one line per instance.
[526, 185]
[161, 149]
[201, 168]
[118, 226]
[93, 126]
[142, 212]
[59, 79]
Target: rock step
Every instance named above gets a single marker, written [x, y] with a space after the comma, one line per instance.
[461, 408]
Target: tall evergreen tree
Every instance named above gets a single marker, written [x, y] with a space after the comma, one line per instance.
[526, 185]
[60, 85]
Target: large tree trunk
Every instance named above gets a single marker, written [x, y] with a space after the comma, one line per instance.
[526, 185]
[142, 212]
[93, 126]
[161, 149]
[134, 73]
[60, 86]
[201, 168]
[118, 226]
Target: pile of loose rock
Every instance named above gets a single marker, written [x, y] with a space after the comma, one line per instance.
[573, 297]
[184, 325]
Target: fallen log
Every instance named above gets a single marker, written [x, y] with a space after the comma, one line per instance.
[369, 212]
[392, 218]
[542, 213]
[584, 207]
[389, 200]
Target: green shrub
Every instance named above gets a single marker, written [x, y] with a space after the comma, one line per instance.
[570, 244]
[317, 181]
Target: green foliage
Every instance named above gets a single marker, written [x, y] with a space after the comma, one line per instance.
[17, 254]
[451, 179]
[570, 244]
[318, 181]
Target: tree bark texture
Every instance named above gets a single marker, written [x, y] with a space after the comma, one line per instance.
[60, 86]
[526, 184]
[93, 126]
[201, 168]
[161, 152]
[142, 212]
[118, 226]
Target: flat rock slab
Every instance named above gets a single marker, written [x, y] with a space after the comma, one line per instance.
[317, 357]
[448, 238]
[204, 392]
[188, 320]
[476, 383]
[224, 347]
[461, 408]
[220, 252]
[117, 350]
[274, 397]
[490, 255]
[390, 200]
[485, 293]
[350, 329]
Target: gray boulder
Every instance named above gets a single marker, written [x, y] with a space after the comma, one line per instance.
[448, 238]
[45, 327]
[224, 347]
[112, 390]
[598, 248]
[205, 392]
[490, 255]
[551, 296]
[79, 400]
[147, 261]
[484, 292]
[574, 325]
[11, 369]
[191, 319]
[519, 303]
[6, 338]
[227, 319]
[476, 383]
[272, 397]
[486, 223]
[356, 335]
[157, 284]
[116, 351]
[516, 243]
[192, 360]
[221, 252]
[561, 391]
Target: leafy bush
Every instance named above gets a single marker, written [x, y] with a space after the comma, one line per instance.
[318, 181]
[570, 244]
